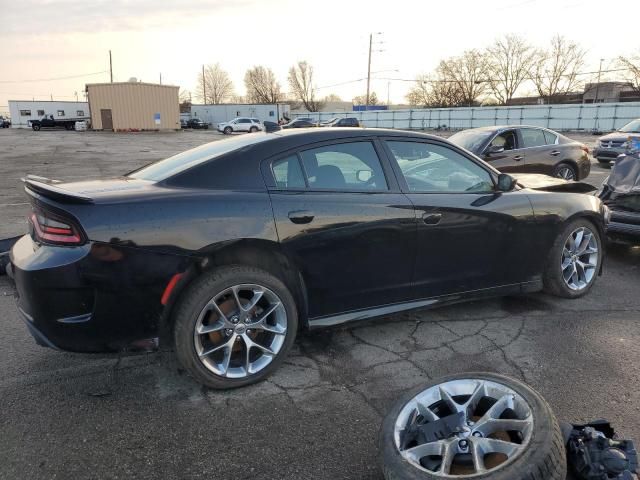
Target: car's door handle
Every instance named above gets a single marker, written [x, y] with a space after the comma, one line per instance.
[301, 216]
[555, 153]
[431, 218]
[517, 158]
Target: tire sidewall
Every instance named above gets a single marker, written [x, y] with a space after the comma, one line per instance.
[227, 130]
[555, 273]
[193, 301]
[545, 427]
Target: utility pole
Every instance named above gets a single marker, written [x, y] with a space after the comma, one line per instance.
[595, 100]
[110, 67]
[160, 78]
[204, 87]
[369, 70]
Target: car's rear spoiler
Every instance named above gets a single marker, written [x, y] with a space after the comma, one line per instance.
[47, 187]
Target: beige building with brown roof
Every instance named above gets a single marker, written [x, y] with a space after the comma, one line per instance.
[126, 106]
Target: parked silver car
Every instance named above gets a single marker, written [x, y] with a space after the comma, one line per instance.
[610, 146]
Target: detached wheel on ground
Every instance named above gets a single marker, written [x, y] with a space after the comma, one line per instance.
[574, 261]
[565, 171]
[472, 426]
[234, 326]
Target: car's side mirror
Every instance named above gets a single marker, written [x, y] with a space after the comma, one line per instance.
[493, 149]
[506, 183]
[363, 175]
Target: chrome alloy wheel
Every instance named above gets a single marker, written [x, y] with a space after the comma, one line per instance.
[566, 173]
[488, 426]
[240, 330]
[579, 258]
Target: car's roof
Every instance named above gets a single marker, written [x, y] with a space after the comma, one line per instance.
[494, 128]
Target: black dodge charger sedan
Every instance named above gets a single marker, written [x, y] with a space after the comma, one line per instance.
[237, 244]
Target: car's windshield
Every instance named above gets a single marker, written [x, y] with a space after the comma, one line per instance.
[163, 169]
[631, 127]
[472, 140]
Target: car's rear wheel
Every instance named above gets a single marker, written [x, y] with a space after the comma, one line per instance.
[253, 129]
[574, 261]
[227, 130]
[472, 426]
[565, 171]
[234, 326]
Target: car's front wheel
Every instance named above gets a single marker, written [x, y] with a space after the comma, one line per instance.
[574, 262]
[227, 130]
[234, 326]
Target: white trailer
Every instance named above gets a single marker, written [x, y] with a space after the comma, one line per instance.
[214, 114]
[23, 111]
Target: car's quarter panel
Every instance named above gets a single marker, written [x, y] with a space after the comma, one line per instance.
[356, 252]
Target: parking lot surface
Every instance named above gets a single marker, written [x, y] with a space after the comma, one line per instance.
[66, 415]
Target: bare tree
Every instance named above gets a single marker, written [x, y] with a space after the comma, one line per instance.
[332, 97]
[555, 71]
[261, 85]
[435, 91]
[632, 64]
[216, 86]
[301, 83]
[184, 97]
[510, 60]
[362, 99]
[468, 73]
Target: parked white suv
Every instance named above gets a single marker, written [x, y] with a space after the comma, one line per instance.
[240, 124]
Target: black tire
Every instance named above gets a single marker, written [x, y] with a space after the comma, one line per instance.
[561, 166]
[35, 127]
[543, 459]
[194, 299]
[553, 280]
[227, 130]
[253, 129]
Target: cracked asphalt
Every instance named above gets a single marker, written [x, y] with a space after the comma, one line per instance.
[65, 415]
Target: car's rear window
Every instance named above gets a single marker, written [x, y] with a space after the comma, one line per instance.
[163, 169]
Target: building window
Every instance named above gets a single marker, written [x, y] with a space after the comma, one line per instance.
[80, 113]
[61, 113]
[25, 113]
[41, 113]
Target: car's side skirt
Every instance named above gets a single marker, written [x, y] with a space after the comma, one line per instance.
[381, 310]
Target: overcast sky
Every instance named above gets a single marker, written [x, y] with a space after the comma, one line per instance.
[50, 39]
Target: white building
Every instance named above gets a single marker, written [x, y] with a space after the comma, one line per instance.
[214, 114]
[22, 111]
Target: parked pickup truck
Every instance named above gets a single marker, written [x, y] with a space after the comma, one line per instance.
[50, 122]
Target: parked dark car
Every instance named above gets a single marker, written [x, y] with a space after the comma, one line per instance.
[196, 124]
[235, 245]
[527, 149]
[5, 122]
[300, 123]
[342, 122]
[50, 122]
[610, 146]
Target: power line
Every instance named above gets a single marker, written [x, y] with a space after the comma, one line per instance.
[55, 78]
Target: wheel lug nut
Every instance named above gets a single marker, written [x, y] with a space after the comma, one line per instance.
[463, 444]
[477, 434]
[229, 331]
[469, 423]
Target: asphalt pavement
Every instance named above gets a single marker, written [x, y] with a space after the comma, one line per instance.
[65, 415]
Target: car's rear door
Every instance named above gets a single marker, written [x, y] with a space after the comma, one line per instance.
[542, 153]
[340, 215]
[512, 158]
[470, 237]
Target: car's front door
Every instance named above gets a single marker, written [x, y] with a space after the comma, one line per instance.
[470, 236]
[511, 158]
[340, 215]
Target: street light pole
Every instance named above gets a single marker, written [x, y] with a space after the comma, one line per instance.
[595, 100]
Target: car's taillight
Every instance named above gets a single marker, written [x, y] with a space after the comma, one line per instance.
[49, 228]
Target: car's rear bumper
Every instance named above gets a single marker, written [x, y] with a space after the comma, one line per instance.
[90, 298]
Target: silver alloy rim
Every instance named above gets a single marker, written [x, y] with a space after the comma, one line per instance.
[240, 330]
[494, 426]
[579, 258]
[566, 173]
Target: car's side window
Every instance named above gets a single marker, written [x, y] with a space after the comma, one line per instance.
[506, 140]
[344, 166]
[532, 137]
[550, 138]
[431, 168]
[288, 173]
